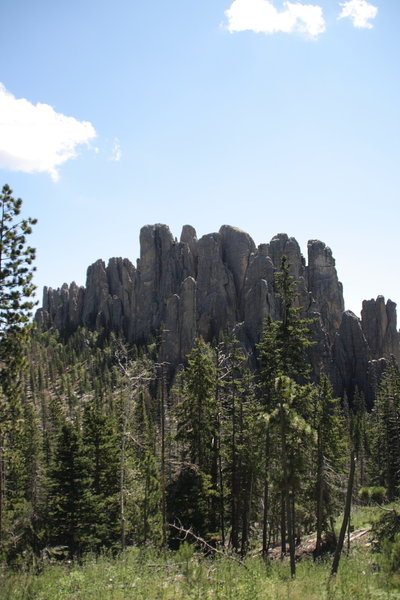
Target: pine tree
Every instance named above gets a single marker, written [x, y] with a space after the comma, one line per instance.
[16, 272]
[196, 433]
[71, 505]
[385, 434]
[149, 521]
[356, 430]
[100, 447]
[135, 378]
[283, 365]
[238, 440]
[327, 463]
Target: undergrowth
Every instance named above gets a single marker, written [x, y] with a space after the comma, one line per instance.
[188, 575]
[185, 575]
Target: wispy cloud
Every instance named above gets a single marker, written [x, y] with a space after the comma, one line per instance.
[35, 138]
[116, 151]
[359, 11]
[262, 16]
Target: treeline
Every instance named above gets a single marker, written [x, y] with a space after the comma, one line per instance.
[99, 450]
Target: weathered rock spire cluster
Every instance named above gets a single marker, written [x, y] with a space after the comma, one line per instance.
[220, 283]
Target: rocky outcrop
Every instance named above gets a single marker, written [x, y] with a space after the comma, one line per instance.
[179, 329]
[237, 249]
[62, 308]
[259, 294]
[379, 324]
[324, 286]
[222, 283]
[216, 294]
[351, 356]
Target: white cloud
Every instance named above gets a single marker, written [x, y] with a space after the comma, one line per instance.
[116, 151]
[359, 11]
[35, 138]
[261, 16]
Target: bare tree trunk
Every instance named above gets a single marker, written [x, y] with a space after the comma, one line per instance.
[234, 482]
[288, 498]
[246, 516]
[283, 523]
[2, 482]
[346, 515]
[266, 497]
[221, 485]
[122, 486]
[163, 486]
[290, 526]
[320, 490]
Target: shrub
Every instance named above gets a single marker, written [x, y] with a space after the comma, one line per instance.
[390, 555]
[387, 528]
[373, 495]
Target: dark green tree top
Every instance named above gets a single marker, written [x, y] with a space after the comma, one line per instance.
[282, 349]
[16, 258]
[16, 287]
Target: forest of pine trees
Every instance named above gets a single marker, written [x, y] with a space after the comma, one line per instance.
[102, 448]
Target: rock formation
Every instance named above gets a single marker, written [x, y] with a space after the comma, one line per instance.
[220, 283]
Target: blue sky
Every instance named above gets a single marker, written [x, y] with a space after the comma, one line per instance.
[270, 116]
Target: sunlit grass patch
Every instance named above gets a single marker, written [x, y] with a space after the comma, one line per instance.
[187, 575]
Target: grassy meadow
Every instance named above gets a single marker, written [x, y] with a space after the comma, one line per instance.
[189, 575]
[185, 575]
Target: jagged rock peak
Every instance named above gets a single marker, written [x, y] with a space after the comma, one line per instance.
[351, 356]
[222, 283]
[189, 235]
[280, 245]
[324, 286]
[379, 323]
[237, 248]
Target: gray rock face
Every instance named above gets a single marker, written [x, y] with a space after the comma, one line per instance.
[96, 308]
[223, 283]
[216, 294]
[282, 245]
[237, 248]
[188, 314]
[324, 286]
[258, 294]
[189, 237]
[179, 330]
[121, 278]
[162, 267]
[155, 279]
[379, 324]
[62, 309]
[351, 356]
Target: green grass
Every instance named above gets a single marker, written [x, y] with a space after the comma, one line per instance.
[187, 576]
[362, 517]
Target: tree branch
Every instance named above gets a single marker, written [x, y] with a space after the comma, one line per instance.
[189, 533]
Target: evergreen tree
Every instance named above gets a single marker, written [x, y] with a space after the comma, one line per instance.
[327, 462]
[100, 447]
[149, 514]
[283, 362]
[196, 411]
[71, 504]
[385, 434]
[196, 432]
[239, 451]
[356, 431]
[16, 272]
[135, 378]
